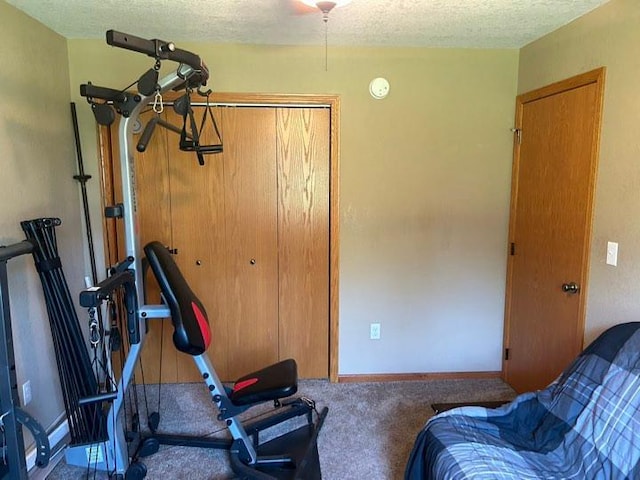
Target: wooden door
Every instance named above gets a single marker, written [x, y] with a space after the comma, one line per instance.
[197, 225]
[550, 228]
[303, 238]
[251, 238]
[251, 231]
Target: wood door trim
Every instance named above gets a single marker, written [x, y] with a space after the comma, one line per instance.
[586, 78]
[105, 150]
[333, 102]
[276, 99]
[597, 77]
[257, 99]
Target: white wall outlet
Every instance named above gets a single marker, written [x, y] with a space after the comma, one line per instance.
[612, 253]
[26, 392]
[374, 333]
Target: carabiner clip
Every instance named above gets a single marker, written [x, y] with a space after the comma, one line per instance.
[158, 106]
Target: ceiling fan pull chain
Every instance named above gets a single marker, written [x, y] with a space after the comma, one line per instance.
[326, 44]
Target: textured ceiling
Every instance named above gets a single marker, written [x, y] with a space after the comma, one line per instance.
[434, 23]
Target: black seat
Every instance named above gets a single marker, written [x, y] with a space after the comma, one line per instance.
[192, 334]
[276, 381]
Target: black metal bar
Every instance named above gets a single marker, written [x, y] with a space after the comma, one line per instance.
[150, 128]
[189, 441]
[158, 49]
[103, 397]
[7, 252]
[171, 127]
[296, 409]
[88, 90]
[94, 296]
[82, 178]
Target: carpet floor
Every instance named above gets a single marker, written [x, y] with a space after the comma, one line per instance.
[368, 433]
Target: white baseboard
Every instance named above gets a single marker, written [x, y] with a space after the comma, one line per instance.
[55, 438]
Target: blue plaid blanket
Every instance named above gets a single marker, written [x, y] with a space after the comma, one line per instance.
[585, 425]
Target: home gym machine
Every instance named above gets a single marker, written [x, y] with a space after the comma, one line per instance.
[290, 455]
[12, 417]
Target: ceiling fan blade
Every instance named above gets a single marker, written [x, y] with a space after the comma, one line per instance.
[298, 8]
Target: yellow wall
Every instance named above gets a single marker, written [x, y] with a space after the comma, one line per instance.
[37, 164]
[608, 36]
[425, 178]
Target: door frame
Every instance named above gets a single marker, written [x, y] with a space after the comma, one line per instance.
[259, 100]
[596, 77]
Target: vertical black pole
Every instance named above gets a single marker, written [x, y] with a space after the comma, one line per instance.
[82, 178]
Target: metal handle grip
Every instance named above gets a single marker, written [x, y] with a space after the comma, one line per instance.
[571, 288]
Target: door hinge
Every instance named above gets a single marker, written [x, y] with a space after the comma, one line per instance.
[512, 249]
[173, 251]
[518, 133]
[506, 354]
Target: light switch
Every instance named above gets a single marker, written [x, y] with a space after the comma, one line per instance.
[612, 253]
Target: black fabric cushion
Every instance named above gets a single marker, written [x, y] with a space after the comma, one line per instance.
[191, 333]
[279, 380]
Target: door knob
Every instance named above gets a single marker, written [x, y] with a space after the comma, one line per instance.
[571, 288]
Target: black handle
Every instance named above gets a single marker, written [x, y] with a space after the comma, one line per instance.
[89, 90]
[146, 134]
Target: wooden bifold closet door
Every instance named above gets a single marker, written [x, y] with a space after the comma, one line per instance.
[303, 238]
[251, 232]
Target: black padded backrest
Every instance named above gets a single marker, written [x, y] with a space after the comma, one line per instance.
[191, 327]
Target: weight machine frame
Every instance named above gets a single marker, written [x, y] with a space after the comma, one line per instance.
[114, 454]
[250, 459]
